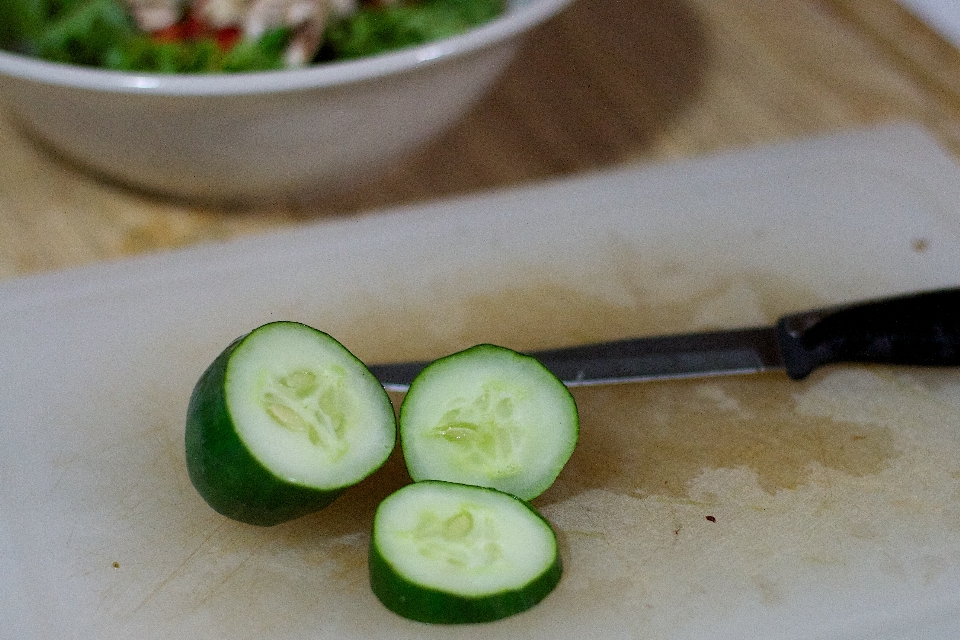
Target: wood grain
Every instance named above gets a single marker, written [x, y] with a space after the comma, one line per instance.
[604, 84]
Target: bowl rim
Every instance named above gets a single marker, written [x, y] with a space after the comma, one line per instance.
[519, 17]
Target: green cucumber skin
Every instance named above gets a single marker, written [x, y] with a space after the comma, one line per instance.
[227, 476]
[437, 607]
[424, 604]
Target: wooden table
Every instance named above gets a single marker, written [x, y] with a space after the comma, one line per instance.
[609, 82]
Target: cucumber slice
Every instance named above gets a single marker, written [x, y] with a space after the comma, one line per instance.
[449, 553]
[490, 417]
[282, 422]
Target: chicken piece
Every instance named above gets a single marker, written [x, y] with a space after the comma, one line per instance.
[221, 14]
[308, 37]
[307, 18]
[264, 15]
[154, 15]
[254, 17]
[343, 8]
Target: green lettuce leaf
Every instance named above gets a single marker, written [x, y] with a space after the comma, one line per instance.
[379, 29]
[20, 23]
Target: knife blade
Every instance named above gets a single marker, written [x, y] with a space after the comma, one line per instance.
[920, 329]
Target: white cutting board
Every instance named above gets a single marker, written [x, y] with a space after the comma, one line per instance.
[835, 501]
[942, 15]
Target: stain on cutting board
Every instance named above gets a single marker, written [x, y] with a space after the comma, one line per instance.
[654, 439]
[528, 307]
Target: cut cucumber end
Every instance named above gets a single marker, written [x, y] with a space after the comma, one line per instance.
[489, 416]
[449, 553]
[282, 422]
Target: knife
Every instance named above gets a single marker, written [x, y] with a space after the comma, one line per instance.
[914, 329]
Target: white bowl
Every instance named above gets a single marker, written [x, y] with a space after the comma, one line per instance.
[262, 136]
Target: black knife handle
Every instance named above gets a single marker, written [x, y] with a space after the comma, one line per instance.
[916, 329]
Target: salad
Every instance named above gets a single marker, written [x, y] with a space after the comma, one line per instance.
[211, 36]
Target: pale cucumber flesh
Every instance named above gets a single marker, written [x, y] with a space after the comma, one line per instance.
[307, 408]
[491, 417]
[282, 422]
[445, 552]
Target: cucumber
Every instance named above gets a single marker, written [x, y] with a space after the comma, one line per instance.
[442, 552]
[282, 422]
[491, 417]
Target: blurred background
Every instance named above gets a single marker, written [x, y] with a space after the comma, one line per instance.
[606, 83]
